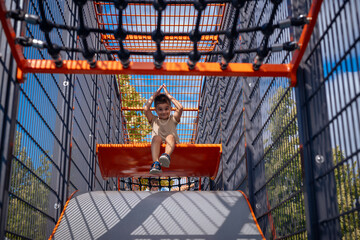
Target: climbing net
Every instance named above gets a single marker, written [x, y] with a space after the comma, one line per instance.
[147, 43]
[135, 30]
[159, 184]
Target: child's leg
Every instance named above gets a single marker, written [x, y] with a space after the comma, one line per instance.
[155, 151]
[170, 144]
[155, 148]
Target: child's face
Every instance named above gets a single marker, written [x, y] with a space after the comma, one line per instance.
[163, 110]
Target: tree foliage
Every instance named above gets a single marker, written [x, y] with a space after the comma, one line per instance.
[137, 125]
[348, 190]
[27, 192]
[283, 163]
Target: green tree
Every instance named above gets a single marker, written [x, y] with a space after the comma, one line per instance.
[282, 161]
[348, 189]
[283, 165]
[137, 125]
[23, 219]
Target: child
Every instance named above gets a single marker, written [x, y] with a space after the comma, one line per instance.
[163, 127]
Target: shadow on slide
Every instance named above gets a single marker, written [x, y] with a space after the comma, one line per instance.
[158, 215]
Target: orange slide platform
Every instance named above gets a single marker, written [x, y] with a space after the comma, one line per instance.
[134, 160]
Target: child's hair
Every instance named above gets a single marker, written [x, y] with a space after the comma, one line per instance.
[162, 98]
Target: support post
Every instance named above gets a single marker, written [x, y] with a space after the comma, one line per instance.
[9, 104]
[317, 160]
[10, 55]
[254, 150]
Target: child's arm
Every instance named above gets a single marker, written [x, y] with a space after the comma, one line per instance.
[179, 107]
[148, 103]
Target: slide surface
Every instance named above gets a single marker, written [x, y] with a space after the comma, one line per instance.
[158, 215]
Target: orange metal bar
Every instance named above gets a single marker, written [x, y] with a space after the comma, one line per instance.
[146, 37]
[153, 15]
[179, 93]
[168, 86]
[304, 39]
[253, 214]
[16, 50]
[152, 48]
[135, 140]
[152, 109]
[20, 77]
[193, 117]
[141, 102]
[135, 68]
[62, 215]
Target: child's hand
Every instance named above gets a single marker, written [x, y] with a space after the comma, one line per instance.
[165, 90]
[158, 91]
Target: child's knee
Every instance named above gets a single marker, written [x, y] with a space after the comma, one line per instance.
[156, 139]
[170, 138]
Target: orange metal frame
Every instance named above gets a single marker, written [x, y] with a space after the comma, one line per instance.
[62, 215]
[253, 215]
[142, 65]
[204, 69]
[147, 68]
[304, 40]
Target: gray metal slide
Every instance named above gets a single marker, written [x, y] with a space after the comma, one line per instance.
[158, 215]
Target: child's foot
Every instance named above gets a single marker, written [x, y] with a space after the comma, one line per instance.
[164, 160]
[155, 168]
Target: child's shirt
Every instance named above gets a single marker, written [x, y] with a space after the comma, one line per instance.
[163, 128]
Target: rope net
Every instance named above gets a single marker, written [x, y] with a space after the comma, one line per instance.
[159, 184]
[139, 32]
[141, 18]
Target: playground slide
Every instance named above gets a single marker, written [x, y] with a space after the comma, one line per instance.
[158, 215]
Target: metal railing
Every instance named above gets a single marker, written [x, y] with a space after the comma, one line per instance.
[294, 150]
[57, 123]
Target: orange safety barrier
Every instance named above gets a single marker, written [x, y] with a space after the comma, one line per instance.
[134, 160]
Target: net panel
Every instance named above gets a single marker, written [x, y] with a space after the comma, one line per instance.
[136, 89]
[176, 28]
[159, 184]
[177, 18]
[135, 32]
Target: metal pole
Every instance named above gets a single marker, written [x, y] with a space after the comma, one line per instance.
[7, 142]
[9, 103]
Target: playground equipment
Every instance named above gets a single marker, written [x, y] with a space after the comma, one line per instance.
[133, 160]
[283, 117]
[158, 215]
